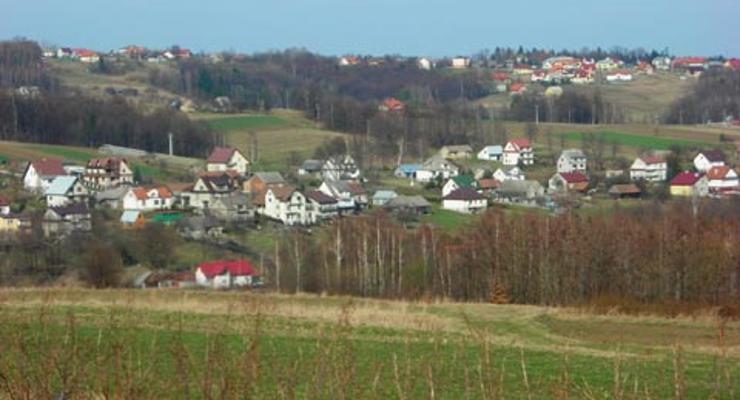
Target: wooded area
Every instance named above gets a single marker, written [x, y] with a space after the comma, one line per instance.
[680, 252]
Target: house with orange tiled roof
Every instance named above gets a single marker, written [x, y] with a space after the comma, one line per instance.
[518, 151]
[148, 198]
[392, 104]
[722, 179]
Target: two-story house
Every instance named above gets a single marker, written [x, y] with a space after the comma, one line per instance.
[148, 198]
[518, 151]
[649, 168]
[224, 159]
[40, 173]
[106, 173]
[64, 190]
[572, 160]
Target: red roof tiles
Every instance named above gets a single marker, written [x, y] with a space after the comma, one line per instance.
[48, 167]
[236, 268]
[221, 155]
[686, 179]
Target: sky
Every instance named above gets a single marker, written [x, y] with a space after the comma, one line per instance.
[432, 28]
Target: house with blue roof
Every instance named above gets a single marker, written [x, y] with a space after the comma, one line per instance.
[491, 153]
[407, 171]
[132, 219]
[64, 190]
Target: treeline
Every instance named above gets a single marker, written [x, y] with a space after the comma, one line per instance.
[534, 55]
[85, 121]
[715, 97]
[660, 253]
[21, 65]
[570, 107]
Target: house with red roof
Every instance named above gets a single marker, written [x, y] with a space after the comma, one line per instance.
[563, 182]
[649, 168]
[722, 179]
[227, 159]
[40, 173]
[85, 55]
[392, 104]
[518, 151]
[226, 274]
[107, 173]
[690, 184]
[517, 88]
[707, 159]
[4, 205]
[148, 198]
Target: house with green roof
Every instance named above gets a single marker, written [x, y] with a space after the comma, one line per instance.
[459, 182]
[167, 218]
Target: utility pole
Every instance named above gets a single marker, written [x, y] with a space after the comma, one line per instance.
[537, 114]
[172, 152]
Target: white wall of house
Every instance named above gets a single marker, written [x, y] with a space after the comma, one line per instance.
[465, 206]
[702, 164]
[655, 172]
[571, 164]
[290, 212]
[32, 181]
[152, 202]
[449, 187]
[729, 182]
[237, 163]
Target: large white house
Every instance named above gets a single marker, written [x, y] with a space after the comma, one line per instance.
[465, 200]
[491, 153]
[320, 206]
[40, 173]
[225, 274]
[227, 159]
[518, 151]
[572, 160]
[106, 173]
[508, 174]
[285, 204]
[654, 169]
[705, 160]
[209, 187]
[64, 190]
[436, 167]
[350, 196]
[459, 182]
[148, 198]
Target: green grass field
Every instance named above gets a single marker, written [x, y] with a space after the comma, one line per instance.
[247, 122]
[639, 141]
[199, 344]
[447, 220]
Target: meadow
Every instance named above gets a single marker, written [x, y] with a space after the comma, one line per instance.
[640, 141]
[199, 344]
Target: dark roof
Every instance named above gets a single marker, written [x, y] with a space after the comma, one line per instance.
[269, 177]
[71, 209]
[221, 155]
[312, 165]
[320, 197]
[714, 155]
[464, 194]
[629, 188]
[408, 202]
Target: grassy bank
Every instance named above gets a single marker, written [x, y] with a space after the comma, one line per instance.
[175, 344]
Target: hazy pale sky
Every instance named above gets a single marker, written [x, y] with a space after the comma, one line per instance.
[407, 27]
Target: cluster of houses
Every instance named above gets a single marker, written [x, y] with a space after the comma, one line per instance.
[132, 52]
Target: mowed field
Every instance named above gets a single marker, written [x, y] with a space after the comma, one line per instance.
[280, 135]
[199, 344]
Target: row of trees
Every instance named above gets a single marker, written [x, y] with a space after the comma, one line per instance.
[21, 65]
[680, 252]
[85, 121]
[715, 97]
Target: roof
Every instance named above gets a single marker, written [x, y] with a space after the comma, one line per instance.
[320, 197]
[385, 194]
[312, 165]
[408, 202]
[4, 202]
[142, 193]
[166, 218]
[714, 155]
[573, 177]
[235, 268]
[629, 188]
[488, 184]
[516, 188]
[495, 149]
[130, 217]
[686, 179]
[464, 194]
[573, 153]
[48, 167]
[107, 163]
[517, 87]
[351, 187]
[409, 168]
[116, 193]
[437, 162]
[464, 181]
[282, 193]
[718, 172]
[61, 185]
[521, 143]
[393, 104]
[650, 160]
[270, 178]
[221, 155]
[71, 209]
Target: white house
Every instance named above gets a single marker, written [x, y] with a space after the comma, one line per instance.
[607, 64]
[508, 174]
[436, 167]
[619, 76]
[40, 173]
[64, 190]
[209, 187]
[350, 196]
[340, 168]
[459, 182]
[491, 153]
[649, 168]
[572, 160]
[4, 206]
[106, 173]
[148, 198]
[285, 204]
[722, 179]
[705, 160]
[320, 206]
[465, 200]
[460, 62]
[518, 151]
[225, 274]
[424, 63]
[227, 159]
